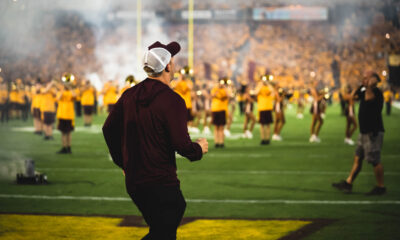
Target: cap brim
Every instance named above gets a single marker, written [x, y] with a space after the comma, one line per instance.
[172, 47]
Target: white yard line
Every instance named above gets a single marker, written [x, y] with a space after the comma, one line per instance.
[234, 201]
[396, 104]
[249, 172]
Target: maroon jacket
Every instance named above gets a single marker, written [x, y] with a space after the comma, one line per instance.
[144, 129]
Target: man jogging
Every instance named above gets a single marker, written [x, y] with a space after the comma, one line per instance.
[370, 140]
[143, 131]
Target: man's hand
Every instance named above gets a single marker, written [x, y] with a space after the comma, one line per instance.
[203, 144]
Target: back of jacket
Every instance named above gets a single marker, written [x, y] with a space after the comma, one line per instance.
[144, 130]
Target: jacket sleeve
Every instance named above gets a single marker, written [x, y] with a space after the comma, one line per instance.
[113, 133]
[176, 121]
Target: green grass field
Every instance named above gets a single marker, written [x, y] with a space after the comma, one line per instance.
[285, 180]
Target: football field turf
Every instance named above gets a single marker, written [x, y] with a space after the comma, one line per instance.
[245, 191]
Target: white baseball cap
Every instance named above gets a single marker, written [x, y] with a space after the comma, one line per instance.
[159, 55]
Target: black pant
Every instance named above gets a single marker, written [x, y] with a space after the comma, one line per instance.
[388, 108]
[78, 108]
[4, 112]
[162, 208]
[241, 107]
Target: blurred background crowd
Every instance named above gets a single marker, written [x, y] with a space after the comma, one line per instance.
[40, 43]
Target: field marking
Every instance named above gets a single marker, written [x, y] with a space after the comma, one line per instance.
[95, 129]
[237, 201]
[229, 155]
[250, 172]
[60, 227]
[396, 104]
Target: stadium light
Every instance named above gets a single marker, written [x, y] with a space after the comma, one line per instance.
[270, 78]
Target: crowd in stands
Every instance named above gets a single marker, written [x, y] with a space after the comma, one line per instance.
[295, 52]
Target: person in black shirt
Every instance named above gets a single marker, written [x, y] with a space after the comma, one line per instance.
[143, 131]
[370, 139]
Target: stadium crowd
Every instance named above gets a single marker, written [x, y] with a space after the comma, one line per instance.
[265, 63]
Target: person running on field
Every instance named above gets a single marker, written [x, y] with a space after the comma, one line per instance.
[143, 132]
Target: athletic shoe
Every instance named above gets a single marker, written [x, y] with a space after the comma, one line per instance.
[315, 139]
[248, 134]
[275, 137]
[376, 191]
[349, 141]
[69, 150]
[227, 133]
[206, 131]
[265, 142]
[63, 151]
[343, 186]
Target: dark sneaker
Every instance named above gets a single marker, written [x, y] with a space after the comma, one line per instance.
[63, 151]
[376, 191]
[69, 150]
[265, 142]
[216, 145]
[343, 186]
